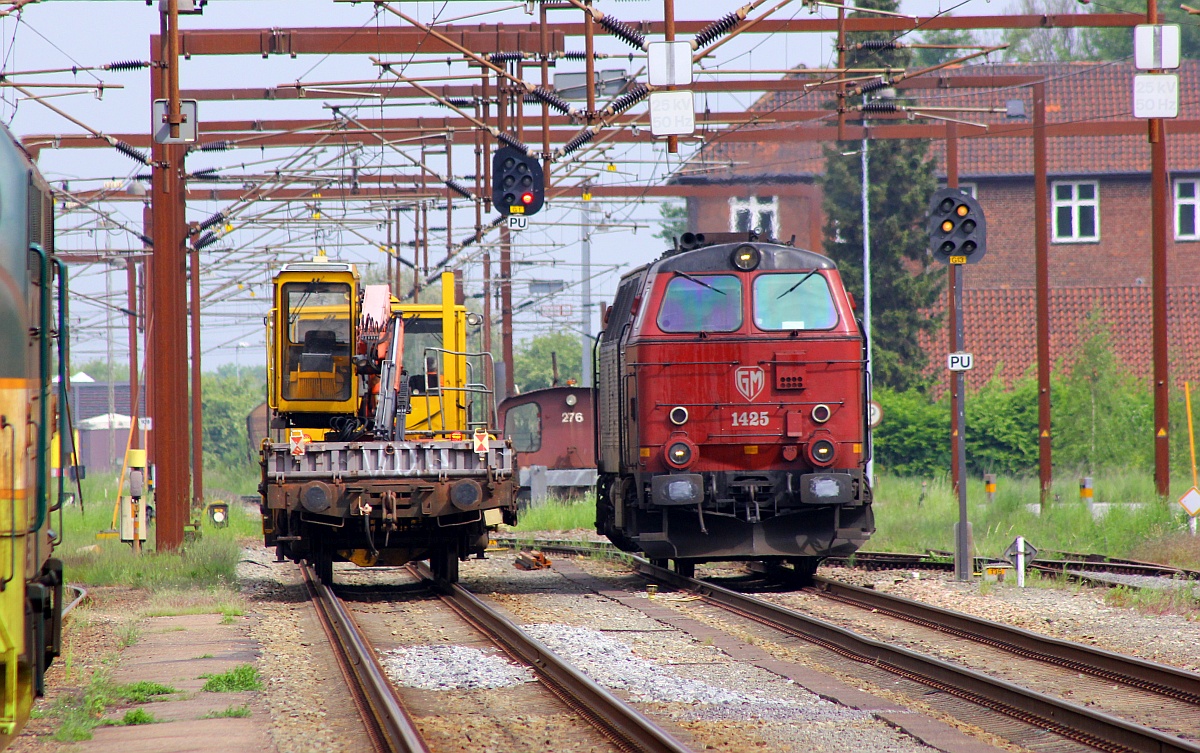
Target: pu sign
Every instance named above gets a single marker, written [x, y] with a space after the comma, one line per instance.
[749, 381]
[960, 361]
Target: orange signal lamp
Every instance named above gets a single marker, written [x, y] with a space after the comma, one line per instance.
[947, 226]
[962, 210]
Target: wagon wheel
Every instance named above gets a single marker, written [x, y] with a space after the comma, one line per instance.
[322, 563]
[685, 568]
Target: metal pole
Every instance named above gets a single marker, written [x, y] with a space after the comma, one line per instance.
[1041, 211]
[167, 325]
[506, 312]
[962, 531]
[197, 390]
[866, 262]
[585, 278]
[1158, 238]
[134, 389]
[669, 35]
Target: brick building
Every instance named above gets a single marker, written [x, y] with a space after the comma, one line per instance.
[1099, 189]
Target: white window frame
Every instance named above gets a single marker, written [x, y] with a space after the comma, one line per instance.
[1192, 201]
[755, 205]
[1074, 203]
[968, 187]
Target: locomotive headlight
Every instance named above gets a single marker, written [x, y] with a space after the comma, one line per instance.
[821, 452]
[746, 258]
[679, 453]
[678, 415]
[571, 400]
[821, 413]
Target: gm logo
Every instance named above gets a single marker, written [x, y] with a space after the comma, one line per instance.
[960, 361]
[749, 381]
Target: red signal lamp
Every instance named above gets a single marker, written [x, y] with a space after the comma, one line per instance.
[527, 198]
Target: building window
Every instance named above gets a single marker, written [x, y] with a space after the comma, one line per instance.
[757, 213]
[1185, 210]
[1076, 211]
[968, 187]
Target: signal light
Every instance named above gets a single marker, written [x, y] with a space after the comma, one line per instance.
[518, 186]
[957, 227]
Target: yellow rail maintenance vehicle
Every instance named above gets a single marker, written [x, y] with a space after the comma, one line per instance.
[391, 453]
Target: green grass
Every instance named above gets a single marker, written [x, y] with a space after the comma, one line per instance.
[143, 690]
[134, 717]
[230, 712]
[559, 515]
[210, 561]
[81, 712]
[1153, 530]
[244, 677]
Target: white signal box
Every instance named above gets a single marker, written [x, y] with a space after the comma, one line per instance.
[1156, 46]
[1155, 95]
[672, 113]
[960, 361]
[669, 63]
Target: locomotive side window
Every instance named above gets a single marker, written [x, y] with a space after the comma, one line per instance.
[795, 300]
[523, 424]
[701, 303]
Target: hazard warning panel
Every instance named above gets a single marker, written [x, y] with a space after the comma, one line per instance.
[481, 440]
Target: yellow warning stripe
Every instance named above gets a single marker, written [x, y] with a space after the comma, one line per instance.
[7, 494]
[11, 382]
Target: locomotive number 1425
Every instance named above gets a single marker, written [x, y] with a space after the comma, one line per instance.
[750, 418]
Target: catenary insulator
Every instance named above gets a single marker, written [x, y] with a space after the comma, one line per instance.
[127, 65]
[623, 31]
[717, 29]
[459, 189]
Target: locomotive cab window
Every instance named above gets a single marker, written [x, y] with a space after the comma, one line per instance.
[701, 303]
[523, 424]
[317, 351]
[795, 300]
[421, 360]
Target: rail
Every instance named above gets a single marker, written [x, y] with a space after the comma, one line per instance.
[1159, 678]
[389, 726]
[626, 727]
[1079, 723]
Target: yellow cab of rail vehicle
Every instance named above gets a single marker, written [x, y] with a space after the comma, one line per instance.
[310, 340]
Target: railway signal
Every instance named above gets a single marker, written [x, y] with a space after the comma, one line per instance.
[957, 227]
[517, 183]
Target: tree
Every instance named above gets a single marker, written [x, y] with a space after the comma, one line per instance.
[904, 284]
[227, 397]
[673, 222]
[1050, 45]
[533, 366]
[924, 57]
[1117, 43]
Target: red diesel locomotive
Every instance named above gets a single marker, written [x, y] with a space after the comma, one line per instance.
[731, 408]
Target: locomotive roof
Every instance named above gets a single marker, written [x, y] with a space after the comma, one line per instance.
[774, 257]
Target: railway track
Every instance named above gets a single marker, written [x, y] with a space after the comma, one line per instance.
[392, 730]
[388, 724]
[1083, 724]
[1128, 704]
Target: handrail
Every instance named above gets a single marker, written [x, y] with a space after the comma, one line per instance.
[66, 438]
[43, 386]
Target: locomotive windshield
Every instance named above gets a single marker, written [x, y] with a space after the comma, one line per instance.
[795, 300]
[701, 303]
